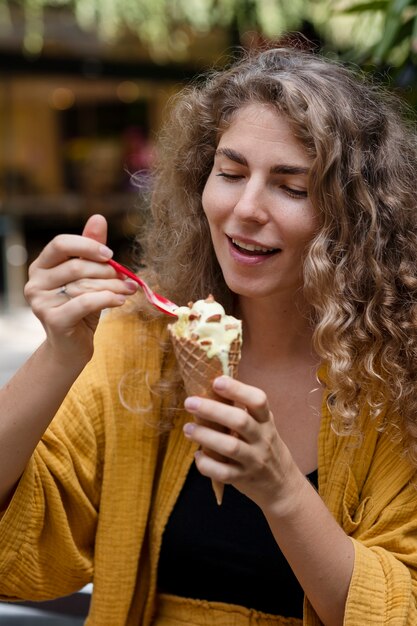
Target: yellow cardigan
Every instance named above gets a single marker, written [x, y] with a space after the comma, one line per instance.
[94, 499]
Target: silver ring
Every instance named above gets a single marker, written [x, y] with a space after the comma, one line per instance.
[63, 291]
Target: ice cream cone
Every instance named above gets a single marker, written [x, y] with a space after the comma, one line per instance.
[207, 344]
[198, 371]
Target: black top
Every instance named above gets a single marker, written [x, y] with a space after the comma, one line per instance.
[226, 553]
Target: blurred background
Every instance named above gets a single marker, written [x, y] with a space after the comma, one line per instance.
[84, 85]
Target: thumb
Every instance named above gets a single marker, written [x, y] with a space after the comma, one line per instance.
[96, 228]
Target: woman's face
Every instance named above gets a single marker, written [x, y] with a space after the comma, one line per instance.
[256, 203]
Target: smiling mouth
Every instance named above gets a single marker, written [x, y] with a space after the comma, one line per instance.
[252, 249]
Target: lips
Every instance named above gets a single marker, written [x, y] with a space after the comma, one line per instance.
[252, 249]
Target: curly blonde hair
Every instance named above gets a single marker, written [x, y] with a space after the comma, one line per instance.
[360, 271]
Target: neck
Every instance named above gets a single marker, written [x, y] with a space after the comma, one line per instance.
[275, 329]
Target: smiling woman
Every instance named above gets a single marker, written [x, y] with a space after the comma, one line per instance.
[285, 187]
[257, 206]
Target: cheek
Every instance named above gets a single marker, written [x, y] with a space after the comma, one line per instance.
[305, 226]
[205, 199]
[210, 200]
[313, 223]
[219, 198]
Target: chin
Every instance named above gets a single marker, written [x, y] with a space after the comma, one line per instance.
[239, 288]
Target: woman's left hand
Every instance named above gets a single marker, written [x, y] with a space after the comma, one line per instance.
[258, 462]
[260, 465]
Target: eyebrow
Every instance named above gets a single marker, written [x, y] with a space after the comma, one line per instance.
[233, 155]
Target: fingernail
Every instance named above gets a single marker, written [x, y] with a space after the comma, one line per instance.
[192, 404]
[105, 252]
[131, 285]
[188, 429]
[220, 382]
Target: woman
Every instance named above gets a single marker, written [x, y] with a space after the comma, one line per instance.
[285, 187]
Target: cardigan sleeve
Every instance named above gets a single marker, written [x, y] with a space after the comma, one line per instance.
[370, 487]
[380, 515]
[47, 532]
[384, 580]
[84, 462]
[382, 589]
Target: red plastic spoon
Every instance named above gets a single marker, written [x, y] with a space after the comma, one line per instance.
[161, 303]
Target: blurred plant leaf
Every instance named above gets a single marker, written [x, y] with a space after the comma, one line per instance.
[394, 20]
[396, 44]
[378, 5]
[166, 27]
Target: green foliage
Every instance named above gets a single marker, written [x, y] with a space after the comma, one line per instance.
[374, 31]
[164, 25]
[397, 43]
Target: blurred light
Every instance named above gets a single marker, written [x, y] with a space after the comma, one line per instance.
[62, 98]
[16, 255]
[128, 91]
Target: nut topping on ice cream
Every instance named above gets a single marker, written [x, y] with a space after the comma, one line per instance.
[206, 323]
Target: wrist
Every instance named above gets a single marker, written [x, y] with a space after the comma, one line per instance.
[65, 358]
[291, 498]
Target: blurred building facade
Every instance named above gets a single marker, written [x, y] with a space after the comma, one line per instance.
[76, 121]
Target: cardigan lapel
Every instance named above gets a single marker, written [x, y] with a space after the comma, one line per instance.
[178, 458]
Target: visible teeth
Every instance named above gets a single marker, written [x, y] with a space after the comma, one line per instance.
[251, 247]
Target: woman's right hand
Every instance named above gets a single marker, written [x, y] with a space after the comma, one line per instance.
[69, 284]
[33, 395]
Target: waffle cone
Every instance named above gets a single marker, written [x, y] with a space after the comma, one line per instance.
[198, 372]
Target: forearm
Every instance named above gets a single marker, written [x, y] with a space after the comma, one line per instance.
[28, 403]
[317, 549]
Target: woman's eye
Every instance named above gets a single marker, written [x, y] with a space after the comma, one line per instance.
[229, 176]
[295, 193]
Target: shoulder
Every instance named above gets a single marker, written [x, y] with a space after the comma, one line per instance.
[129, 337]
[130, 356]
[129, 321]
[131, 350]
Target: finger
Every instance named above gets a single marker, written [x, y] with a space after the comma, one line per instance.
[223, 416]
[217, 470]
[40, 300]
[96, 228]
[74, 270]
[253, 398]
[64, 247]
[51, 280]
[79, 287]
[79, 308]
[220, 445]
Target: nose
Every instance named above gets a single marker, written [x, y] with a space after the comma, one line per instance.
[251, 205]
